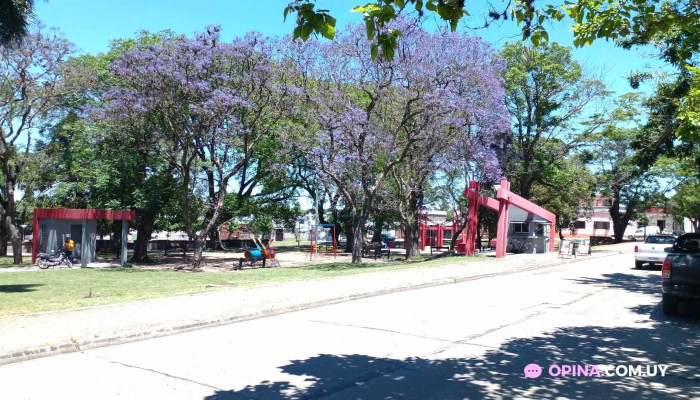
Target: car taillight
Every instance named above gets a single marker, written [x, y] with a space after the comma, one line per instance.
[636, 249]
[666, 269]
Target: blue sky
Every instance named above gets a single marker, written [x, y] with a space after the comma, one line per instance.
[92, 24]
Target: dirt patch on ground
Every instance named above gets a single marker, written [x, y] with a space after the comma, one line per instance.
[214, 261]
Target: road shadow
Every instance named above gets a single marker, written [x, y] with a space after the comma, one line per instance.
[19, 288]
[647, 284]
[498, 374]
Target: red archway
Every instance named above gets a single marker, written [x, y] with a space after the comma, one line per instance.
[504, 198]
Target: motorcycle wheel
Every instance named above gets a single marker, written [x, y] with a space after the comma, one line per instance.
[43, 264]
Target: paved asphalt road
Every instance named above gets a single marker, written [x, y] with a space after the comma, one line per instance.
[468, 340]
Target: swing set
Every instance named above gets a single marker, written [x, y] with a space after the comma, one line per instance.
[318, 246]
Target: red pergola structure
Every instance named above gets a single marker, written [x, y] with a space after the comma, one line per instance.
[84, 215]
[504, 198]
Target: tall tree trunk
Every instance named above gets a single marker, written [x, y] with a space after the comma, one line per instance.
[350, 235]
[199, 241]
[456, 234]
[410, 224]
[144, 228]
[525, 188]
[410, 240]
[3, 241]
[377, 231]
[620, 220]
[11, 233]
[358, 242]
[358, 235]
[338, 231]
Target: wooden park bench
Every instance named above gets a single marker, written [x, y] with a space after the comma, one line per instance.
[376, 252]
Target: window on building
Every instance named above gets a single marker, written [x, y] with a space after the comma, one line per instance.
[521, 227]
[580, 224]
[447, 235]
[539, 229]
[601, 225]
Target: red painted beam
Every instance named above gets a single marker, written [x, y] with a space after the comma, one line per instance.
[502, 232]
[489, 202]
[524, 204]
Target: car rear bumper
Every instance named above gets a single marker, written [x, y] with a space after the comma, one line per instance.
[650, 257]
[681, 290]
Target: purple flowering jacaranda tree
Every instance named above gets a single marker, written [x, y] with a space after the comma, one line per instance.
[217, 102]
[32, 93]
[470, 121]
[370, 116]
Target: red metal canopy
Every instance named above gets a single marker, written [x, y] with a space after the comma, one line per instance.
[85, 213]
[74, 213]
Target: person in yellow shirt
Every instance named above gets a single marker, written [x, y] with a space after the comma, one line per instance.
[68, 248]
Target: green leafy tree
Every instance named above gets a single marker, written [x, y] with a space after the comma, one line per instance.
[566, 188]
[634, 22]
[686, 203]
[15, 18]
[379, 16]
[631, 188]
[109, 165]
[549, 100]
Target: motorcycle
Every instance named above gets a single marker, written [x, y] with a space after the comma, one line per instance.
[53, 259]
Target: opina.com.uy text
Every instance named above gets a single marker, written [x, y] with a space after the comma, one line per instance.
[584, 370]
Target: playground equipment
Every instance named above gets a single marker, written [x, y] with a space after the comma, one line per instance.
[260, 253]
[316, 247]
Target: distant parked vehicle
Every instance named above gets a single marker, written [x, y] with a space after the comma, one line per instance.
[652, 250]
[640, 233]
[680, 273]
[387, 238]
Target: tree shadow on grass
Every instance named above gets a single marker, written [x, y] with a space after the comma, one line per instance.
[20, 288]
[499, 372]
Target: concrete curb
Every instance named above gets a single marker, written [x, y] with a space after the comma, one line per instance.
[80, 345]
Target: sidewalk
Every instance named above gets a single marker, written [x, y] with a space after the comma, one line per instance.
[49, 333]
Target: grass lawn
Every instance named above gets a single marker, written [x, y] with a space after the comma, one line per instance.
[33, 291]
[7, 261]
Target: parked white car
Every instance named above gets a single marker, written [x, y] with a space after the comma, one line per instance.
[652, 250]
[639, 233]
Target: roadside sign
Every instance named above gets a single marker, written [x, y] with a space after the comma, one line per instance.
[584, 247]
[565, 248]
